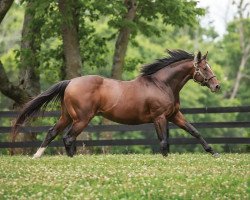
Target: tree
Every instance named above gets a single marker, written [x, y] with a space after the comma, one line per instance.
[69, 10]
[138, 17]
[6, 87]
[4, 7]
[29, 63]
[123, 39]
[30, 46]
[234, 55]
[242, 28]
[10, 90]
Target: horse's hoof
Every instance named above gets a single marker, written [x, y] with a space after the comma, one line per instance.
[164, 153]
[35, 156]
[216, 155]
[70, 146]
[69, 152]
[70, 155]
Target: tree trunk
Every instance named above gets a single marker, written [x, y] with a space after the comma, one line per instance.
[20, 96]
[4, 8]
[122, 41]
[245, 49]
[15, 93]
[30, 45]
[71, 47]
[29, 77]
[239, 76]
[6, 87]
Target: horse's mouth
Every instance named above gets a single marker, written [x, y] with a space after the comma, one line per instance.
[215, 90]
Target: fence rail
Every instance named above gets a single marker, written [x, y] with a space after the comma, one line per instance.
[122, 127]
[146, 128]
[129, 142]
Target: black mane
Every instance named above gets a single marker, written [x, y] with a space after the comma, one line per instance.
[173, 56]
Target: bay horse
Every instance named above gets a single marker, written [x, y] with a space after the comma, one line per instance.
[152, 97]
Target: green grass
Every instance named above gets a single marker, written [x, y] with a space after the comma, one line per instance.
[178, 176]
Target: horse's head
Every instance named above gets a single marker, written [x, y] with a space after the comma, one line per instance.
[203, 73]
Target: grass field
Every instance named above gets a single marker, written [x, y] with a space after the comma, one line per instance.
[179, 176]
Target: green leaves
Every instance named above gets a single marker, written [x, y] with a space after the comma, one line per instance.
[177, 12]
[95, 48]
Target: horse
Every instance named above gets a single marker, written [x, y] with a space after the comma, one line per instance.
[152, 97]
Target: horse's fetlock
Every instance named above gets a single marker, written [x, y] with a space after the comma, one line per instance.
[163, 144]
[209, 149]
[67, 140]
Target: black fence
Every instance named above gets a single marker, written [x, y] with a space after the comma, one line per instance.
[144, 128]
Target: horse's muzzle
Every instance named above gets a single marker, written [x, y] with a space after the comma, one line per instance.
[215, 88]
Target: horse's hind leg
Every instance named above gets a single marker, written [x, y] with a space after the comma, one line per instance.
[63, 122]
[70, 137]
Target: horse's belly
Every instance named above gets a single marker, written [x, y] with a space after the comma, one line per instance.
[125, 116]
[123, 120]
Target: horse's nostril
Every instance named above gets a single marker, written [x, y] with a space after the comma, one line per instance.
[217, 87]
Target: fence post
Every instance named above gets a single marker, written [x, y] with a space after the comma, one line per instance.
[167, 131]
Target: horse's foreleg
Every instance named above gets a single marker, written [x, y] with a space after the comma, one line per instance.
[161, 130]
[52, 133]
[180, 121]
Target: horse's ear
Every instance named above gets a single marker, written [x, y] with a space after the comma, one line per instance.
[205, 56]
[197, 58]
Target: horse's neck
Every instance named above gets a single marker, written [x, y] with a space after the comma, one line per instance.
[177, 75]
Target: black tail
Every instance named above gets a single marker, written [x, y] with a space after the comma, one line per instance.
[56, 93]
